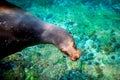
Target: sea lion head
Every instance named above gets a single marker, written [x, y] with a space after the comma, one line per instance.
[70, 49]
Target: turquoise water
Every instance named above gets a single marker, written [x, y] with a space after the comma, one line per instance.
[95, 27]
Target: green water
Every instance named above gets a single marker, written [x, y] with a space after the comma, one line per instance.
[95, 27]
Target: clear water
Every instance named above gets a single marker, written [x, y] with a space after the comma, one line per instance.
[95, 27]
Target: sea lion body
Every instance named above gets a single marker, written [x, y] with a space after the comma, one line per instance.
[20, 29]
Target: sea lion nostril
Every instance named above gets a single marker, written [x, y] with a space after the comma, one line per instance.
[76, 58]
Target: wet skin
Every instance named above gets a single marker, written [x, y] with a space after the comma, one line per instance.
[20, 29]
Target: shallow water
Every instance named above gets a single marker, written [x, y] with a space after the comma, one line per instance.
[95, 27]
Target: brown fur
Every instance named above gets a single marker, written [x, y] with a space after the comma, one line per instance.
[20, 29]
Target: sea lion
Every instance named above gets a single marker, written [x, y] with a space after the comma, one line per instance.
[20, 29]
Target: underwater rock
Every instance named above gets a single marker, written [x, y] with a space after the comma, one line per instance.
[112, 57]
[49, 16]
[98, 69]
[20, 29]
[116, 7]
[76, 75]
[70, 23]
[96, 63]
[113, 39]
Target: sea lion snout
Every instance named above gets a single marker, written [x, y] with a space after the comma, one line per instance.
[75, 56]
[71, 50]
[73, 53]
